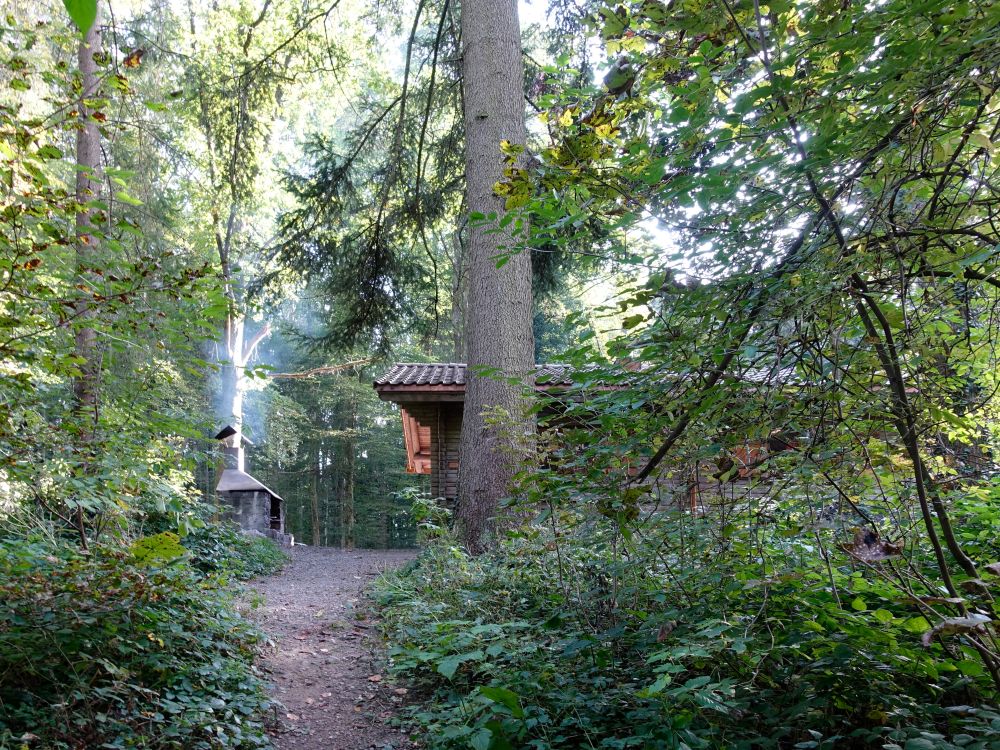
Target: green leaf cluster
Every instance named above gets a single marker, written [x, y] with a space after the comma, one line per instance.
[110, 649]
[583, 640]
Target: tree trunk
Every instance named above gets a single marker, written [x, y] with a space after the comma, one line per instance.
[239, 353]
[347, 498]
[331, 483]
[315, 500]
[459, 299]
[86, 386]
[498, 326]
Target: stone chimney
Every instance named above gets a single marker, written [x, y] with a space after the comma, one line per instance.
[244, 500]
[233, 452]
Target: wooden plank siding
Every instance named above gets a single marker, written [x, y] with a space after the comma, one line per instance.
[431, 431]
[431, 395]
[444, 456]
[417, 436]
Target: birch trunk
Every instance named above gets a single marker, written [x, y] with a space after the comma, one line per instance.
[239, 353]
[498, 326]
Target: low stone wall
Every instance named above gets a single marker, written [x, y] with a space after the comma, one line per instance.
[283, 540]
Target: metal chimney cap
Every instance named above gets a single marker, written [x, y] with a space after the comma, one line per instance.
[228, 431]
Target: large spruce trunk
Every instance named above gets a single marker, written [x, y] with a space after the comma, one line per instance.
[498, 324]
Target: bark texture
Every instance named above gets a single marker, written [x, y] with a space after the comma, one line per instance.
[498, 325]
[87, 385]
[459, 299]
[314, 501]
[88, 188]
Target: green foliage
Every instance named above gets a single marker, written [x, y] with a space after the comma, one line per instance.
[99, 650]
[150, 304]
[673, 637]
[825, 269]
[432, 518]
[219, 551]
[83, 13]
[158, 549]
[222, 549]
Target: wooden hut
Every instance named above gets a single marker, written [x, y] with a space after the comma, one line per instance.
[430, 398]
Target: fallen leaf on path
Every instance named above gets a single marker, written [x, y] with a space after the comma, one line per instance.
[292, 717]
[400, 691]
[310, 701]
[326, 695]
[375, 678]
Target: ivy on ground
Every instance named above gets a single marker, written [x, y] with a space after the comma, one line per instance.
[109, 650]
[661, 639]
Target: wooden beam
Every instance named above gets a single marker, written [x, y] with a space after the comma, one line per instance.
[408, 441]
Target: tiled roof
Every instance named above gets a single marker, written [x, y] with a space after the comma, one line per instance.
[435, 373]
[453, 373]
[234, 480]
[450, 376]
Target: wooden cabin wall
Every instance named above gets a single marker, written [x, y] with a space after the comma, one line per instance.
[445, 423]
[444, 451]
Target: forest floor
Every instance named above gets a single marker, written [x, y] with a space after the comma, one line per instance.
[321, 666]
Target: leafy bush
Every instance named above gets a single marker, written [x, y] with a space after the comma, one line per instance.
[219, 549]
[99, 650]
[432, 519]
[222, 549]
[603, 639]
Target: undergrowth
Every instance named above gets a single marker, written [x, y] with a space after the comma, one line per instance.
[140, 647]
[225, 550]
[594, 639]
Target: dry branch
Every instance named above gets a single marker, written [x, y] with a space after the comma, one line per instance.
[328, 370]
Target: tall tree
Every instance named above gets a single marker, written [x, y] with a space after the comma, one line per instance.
[86, 386]
[229, 117]
[314, 498]
[242, 73]
[499, 339]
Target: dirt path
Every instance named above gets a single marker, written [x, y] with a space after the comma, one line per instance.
[321, 666]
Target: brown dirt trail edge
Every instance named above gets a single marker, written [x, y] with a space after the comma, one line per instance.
[321, 664]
